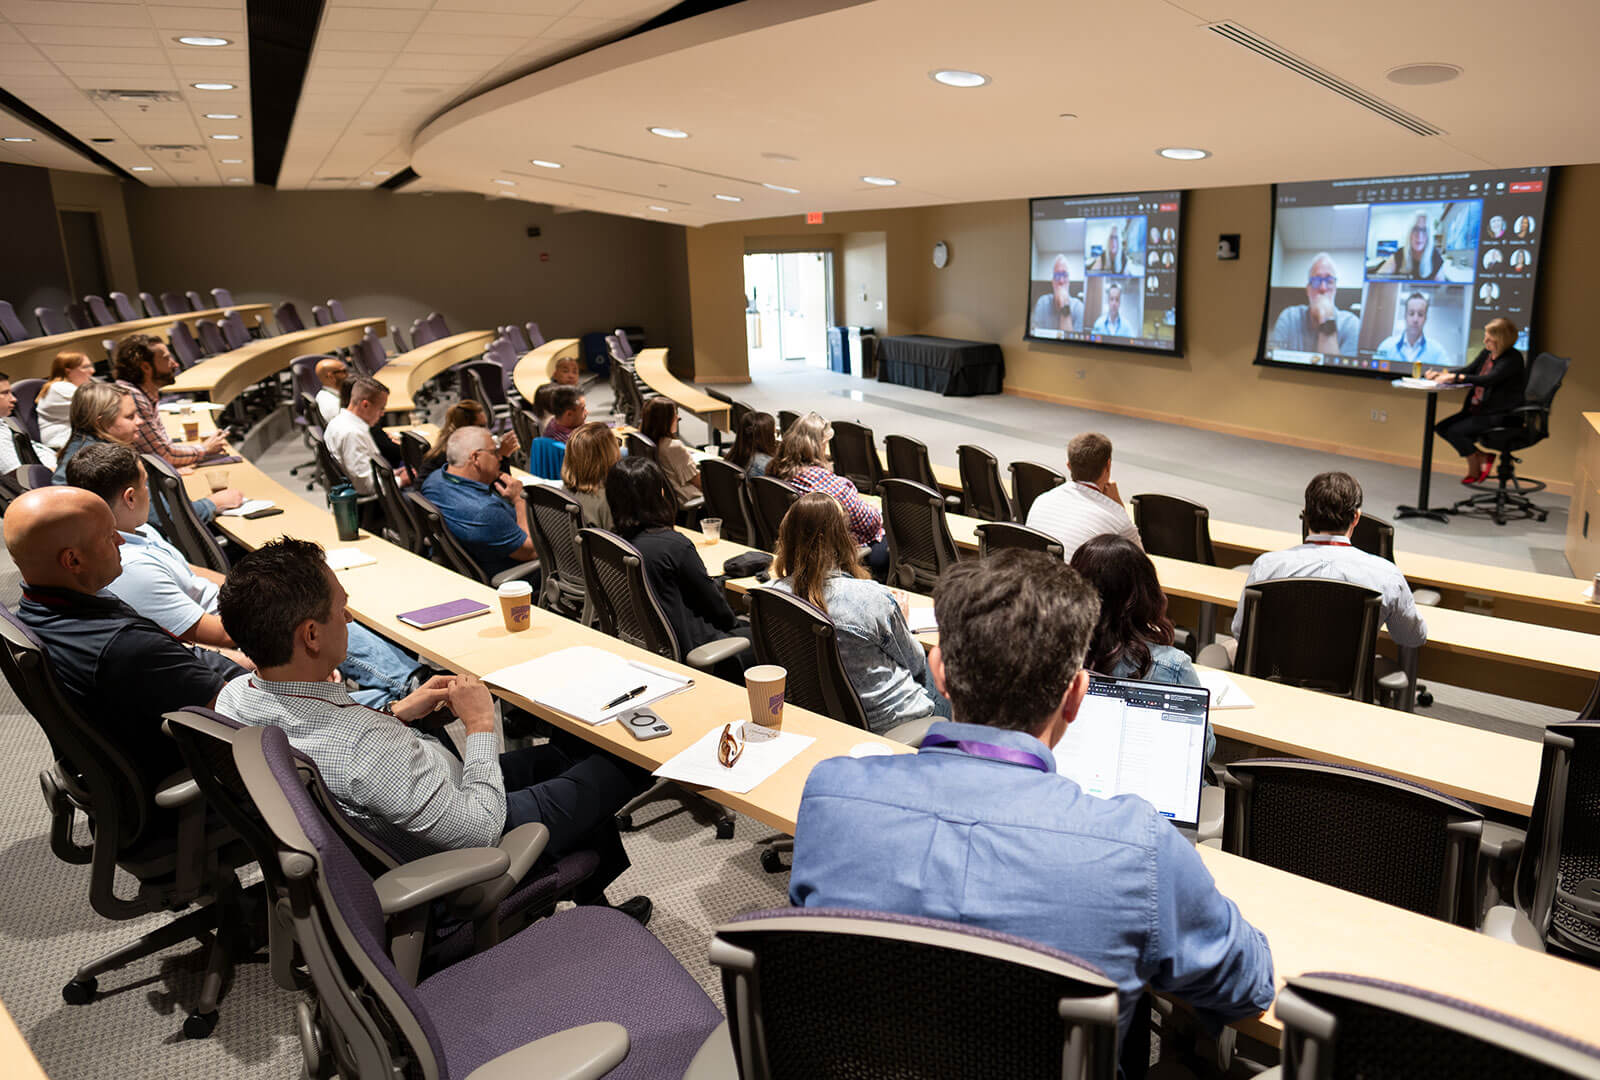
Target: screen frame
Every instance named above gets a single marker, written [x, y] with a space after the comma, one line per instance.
[1176, 352]
[1261, 360]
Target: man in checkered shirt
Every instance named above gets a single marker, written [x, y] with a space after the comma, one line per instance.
[286, 610]
[143, 365]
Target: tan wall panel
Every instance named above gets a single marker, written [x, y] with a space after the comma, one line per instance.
[102, 194]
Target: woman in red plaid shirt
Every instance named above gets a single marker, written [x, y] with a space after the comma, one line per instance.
[803, 462]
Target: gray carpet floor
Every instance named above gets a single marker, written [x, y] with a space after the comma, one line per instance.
[132, 1030]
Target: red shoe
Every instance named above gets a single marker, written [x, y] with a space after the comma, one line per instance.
[1488, 467]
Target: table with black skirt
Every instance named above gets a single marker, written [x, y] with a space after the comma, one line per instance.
[946, 366]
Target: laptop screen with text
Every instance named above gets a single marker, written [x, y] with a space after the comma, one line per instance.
[1139, 738]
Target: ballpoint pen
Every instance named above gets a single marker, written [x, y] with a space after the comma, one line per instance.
[614, 702]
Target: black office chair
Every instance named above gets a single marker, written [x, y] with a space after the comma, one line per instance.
[1315, 633]
[982, 493]
[1337, 1025]
[1555, 902]
[448, 551]
[920, 545]
[555, 518]
[176, 518]
[722, 487]
[399, 520]
[1372, 535]
[1526, 425]
[484, 381]
[413, 449]
[1173, 527]
[770, 499]
[805, 991]
[21, 479]
[998, 535]
[1029, 480]
[153, 829]
[786, 417]
[22, 441]
[907, 459]
[625, 607]
[638, 445]
[855, 455]
[1362, 831]
[526, 426]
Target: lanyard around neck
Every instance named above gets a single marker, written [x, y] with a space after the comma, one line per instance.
[987, 750]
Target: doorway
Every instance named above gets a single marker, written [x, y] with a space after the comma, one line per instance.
[788, 309]
[85, 251]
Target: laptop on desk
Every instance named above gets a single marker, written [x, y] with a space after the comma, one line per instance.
[1140, 738]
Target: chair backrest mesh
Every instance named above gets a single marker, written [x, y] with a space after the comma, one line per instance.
[770, 498]
[919, 537]
[196, 301]
[211, 339]
[981, 489]
[400, 524]
[184, 347]
[152, 307]
[793, 634]
[641, 446]
[998, 535]
[1173, 527]
[908, 460]
[1577, 860]
[556, 518]
[1029, 480]
[179, 522]
[126, 312]
[447, 549]
[627, 608]
[26, 393]
[855, 455]
[97, 308]
[720, 483]
[1311, 632]
[413, 448]
[1544, 379]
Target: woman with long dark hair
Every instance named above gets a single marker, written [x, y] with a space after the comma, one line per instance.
[755, 443]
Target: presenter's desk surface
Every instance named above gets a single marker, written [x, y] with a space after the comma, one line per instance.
[406, 373]
[651, 364]
[1311, 927]
[538, 365]
[31, 357]
[225, 376]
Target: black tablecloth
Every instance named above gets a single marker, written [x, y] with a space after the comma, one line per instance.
[946, 366]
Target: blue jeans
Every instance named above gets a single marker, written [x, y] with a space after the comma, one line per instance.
[381, 668]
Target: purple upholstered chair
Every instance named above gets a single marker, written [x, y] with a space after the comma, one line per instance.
[174, 304]
[10, 324]
[504, 353]
[517, 336]
[623, 344]
[222, 297]
[79, 316]
[585, 992]
[401, 345]
[321, 315]
[440, 329]
[422, 333]
[98, 311]
[51, 321]
[535, 336]
[370, 352]
[27, 395]
[185, 349]
[196, 301]
[126, 312]
[152, 308]
[211, 339]
[336, 309]
[304, 369]
[233, 329]
[288, 318]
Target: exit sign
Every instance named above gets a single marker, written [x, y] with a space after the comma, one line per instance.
[814, 217]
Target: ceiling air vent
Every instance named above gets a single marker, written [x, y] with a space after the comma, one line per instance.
[333, 180]
[135, 97]
[1247, 38]
[174, 148]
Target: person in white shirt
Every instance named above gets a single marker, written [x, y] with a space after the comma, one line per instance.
[1333, 506]
[1412, 345]
[1089, 505]
[349, 435]
[1112, 322]
[68, 371]
[331, 373]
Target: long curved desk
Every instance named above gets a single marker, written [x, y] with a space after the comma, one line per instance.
[225, 376]
[31, 358]
[651, 364]
[406, 373]
[538, 365]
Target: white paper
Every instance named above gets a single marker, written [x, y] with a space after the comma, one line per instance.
[1225, 693]
[250, 506]
[348, 558]
[180, 406]
[699, 765]
[1410, 383]
[921, 620]
[582, 681]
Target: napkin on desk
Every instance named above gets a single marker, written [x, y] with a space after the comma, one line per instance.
[1225, 693]
[348, 558]
[699, 765]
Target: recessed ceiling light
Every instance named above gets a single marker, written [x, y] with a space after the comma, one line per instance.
[142, 168]
[780, 187]
[17, 138]
[958, 78]
[225, 138]
[203, 41]
[880, 181]
[222, 116]
[1423, 74]
[1183, 153]
[380, 172]
[366, 183]
[235, 179]
[730, 198]
[507, 183]
[212, 85]
[546, 164]
[662, 209]
[233, 161]
[669, 133]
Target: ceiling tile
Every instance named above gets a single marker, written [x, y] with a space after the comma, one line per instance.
[196, 20]
[354, 18]
[113, 36]
[96, 54]
[485, 46]
[42, 12]
[472, 22]
[577, 26]
[345, 59]
[416, 62]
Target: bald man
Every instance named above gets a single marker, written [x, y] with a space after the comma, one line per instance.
[331, 373]
[118, 669]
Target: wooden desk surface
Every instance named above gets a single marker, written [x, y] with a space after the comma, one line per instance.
[406, 373]
[225, 376]
[31, 358]
[651, 364]
[16, 1057]
[538, 365]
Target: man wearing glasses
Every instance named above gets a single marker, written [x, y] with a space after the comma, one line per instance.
[1317, 326]
[482, 509]
[1058, 311]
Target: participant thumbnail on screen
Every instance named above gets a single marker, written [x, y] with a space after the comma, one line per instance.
[1113, 306]
[1423, 241]
[1058, 278]
[1114, 245]
[1416, 323]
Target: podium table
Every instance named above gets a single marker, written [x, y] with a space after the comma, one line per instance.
[1422, 509]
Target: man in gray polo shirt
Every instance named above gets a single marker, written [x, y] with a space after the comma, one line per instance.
[1317, 326]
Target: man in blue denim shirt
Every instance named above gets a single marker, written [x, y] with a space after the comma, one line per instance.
[978, 827]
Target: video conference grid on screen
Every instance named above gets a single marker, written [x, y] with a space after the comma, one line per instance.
[1105, 270]
[1397, 275]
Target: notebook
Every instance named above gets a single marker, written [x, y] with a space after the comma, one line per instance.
[441, 614]
[248, 507]
[220, 459]
[587, 682]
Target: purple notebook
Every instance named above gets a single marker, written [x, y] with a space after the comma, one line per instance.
[440, 614]
[220, 459]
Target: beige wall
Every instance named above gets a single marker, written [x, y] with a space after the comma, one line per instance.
[981, 294]
[102, 194]
[866, 279]
[401, 256]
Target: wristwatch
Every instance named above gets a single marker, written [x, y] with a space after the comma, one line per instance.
[1328, 326]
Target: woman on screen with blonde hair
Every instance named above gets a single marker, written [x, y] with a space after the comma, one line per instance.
[1417, 258]
[68, 371]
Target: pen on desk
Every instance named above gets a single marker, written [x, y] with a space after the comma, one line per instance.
[614, 702]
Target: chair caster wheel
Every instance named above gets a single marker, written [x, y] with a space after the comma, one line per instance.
[772, 862]
[1424, 700]
[80, 991]
[625, 822]
[199, 1025]
[725, 830]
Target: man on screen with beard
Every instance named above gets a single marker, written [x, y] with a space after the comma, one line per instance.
[1058, 309]
[1317, 326]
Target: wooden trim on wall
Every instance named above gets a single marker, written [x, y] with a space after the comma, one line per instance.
[1412, 461]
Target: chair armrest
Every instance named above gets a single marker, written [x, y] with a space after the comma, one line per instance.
[713, 653]
[715, 1059]
[177, 790]
[433, 876]
[1501, 843]
[516, 573]
[523, 846]
[581, 1053]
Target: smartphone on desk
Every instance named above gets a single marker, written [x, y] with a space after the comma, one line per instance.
[644, 724]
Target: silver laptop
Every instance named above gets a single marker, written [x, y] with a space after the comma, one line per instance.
[1140, 738]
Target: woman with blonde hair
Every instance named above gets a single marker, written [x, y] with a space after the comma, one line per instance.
[68, 371]
[1497, 376]
[803, 462]
[464, 413]
[591, 451]
[1417, 258]
[817, 561]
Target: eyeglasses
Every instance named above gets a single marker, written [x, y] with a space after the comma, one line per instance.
[1061, 277]
[1322, 281]
[731, 745]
